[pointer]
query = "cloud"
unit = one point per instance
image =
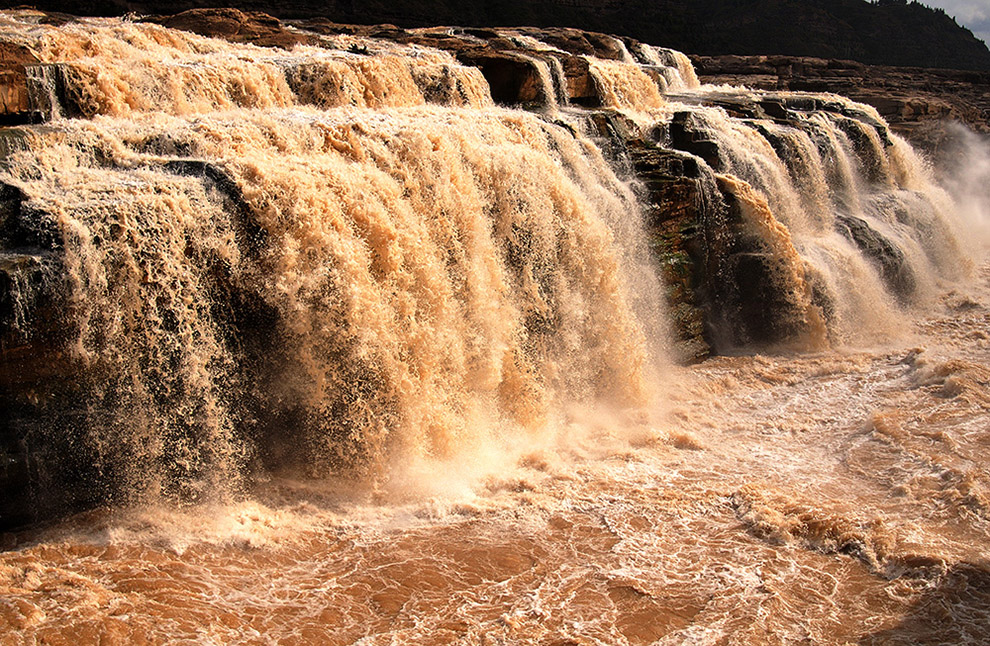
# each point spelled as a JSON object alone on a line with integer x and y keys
{"x": 972, "y": 14}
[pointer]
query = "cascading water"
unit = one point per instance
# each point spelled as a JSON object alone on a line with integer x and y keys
{"x": 179, "y": 73}
{"x": 623, "y": 85}
{"x": 553, "y": 80}
{"x": 349, "y": 354}
{"x": 271, "y": 282}
{"x": 676, "y": 71}
{"x": 866, "y": 219}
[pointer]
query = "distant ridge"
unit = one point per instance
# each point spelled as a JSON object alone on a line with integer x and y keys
{"x": 886, "y": 32}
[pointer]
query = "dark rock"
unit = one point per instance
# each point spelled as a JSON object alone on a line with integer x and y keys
{"x": 757, "y": 300}
{"x": 687, "y": 136}
{"x": 762, "y": 294}
{"x": 678, "y": 205}
{"x": 23, "y": 280}
{"x": 30, "y": 306}
{"x": 21, "y": 226}
{"x": 774, "y": 108}
{"x": 894, "y": 269}
{"x": 37, "y": 378}
{"x": 513, "y": 80}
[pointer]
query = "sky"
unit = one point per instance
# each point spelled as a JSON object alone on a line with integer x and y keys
{"x": 972, "y": 14}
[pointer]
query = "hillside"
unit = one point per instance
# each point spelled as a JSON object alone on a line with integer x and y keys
{"x": 890, "y": 32}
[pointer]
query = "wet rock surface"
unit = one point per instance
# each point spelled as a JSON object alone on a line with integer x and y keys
{"x": 15, "y": 102}
{"x": 37, "y": 379}
{"x": 912, "y": 100}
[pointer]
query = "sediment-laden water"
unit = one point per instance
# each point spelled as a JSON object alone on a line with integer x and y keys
{"x": 832, "y": 498}
{"x": 364, "y": 358}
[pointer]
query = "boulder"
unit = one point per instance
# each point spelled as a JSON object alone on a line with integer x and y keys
{"x": 894, "y": 269}
{"x": 687, "y": 136}
{"x": 15, "y": 101}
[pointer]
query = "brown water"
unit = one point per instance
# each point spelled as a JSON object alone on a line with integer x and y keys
{"x": 488, "y": 441}
{"x": 834, "y": 498}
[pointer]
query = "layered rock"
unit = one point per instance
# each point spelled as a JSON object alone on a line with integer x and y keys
{"x": 912, "y": 100}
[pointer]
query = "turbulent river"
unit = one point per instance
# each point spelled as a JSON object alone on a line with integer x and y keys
{"x": 456, "y": 416}
{"x": 835, "y": 498}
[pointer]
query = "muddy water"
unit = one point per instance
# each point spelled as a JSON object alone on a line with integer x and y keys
{"x": 834, "y": 498}
{"x": 524, "y": 487}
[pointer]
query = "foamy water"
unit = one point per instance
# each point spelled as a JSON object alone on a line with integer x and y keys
{"x": 831, "y": 498}
{"x": 451, "y": 416}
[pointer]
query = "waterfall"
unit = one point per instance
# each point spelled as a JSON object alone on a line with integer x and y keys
{"x": 858, "y": 204}
{"x": 343, "y": 258}
{"x": 623, "y": 85}
{"x": 181, "y": 73}
{"x": 675, "y": 67}
{"x": 317, "y": 344}
{"x": 551, "y": 71}
{"x": 324, "y": 272}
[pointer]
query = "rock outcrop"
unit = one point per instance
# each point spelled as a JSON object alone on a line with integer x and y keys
{"x": 236, "y": 26}
{"x": 15, "y": 101}
{"x": 912, "y": 100}
{"x": 37, "y": 381}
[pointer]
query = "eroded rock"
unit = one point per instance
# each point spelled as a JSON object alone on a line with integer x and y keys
{"x": 908, "y": 98}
